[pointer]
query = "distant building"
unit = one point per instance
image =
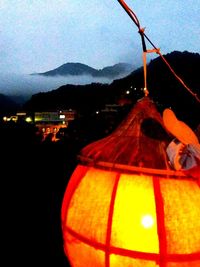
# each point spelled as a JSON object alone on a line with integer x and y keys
{"x": 47, "y": 122}
{"x": 109, "y": 108}
{"x": 50, "y": 122}
{"x": 19, "y": 116}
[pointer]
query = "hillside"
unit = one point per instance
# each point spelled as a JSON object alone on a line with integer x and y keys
{"x": 7, "y": 104}
{"x": 164, "y": 89}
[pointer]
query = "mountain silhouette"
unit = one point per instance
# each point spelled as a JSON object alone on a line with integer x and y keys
{"x": 76, "y": 69}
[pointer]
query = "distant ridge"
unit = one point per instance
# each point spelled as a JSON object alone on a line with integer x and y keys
{"x": 76, "y": 69}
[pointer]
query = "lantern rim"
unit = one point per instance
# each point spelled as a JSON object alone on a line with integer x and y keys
{"x": 161, "y": 173}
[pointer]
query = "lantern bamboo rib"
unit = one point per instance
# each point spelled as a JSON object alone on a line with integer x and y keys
{"x": 131, "y": 253}
{"x": 129, "y": 168}
{"x": 110, "y": 218}
{"x": 160, "y": 222}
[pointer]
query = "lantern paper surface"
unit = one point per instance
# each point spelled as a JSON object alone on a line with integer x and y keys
{"x": 133, "y": 211}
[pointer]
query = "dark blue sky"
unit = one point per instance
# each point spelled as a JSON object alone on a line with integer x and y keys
{"x": 39, "y": 35}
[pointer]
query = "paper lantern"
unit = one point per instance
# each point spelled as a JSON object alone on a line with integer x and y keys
{"x": 124, "y": 207}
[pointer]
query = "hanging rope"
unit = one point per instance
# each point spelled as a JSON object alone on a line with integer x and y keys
{"x": 155, "y": 50}
{"x": 178, "y": 78}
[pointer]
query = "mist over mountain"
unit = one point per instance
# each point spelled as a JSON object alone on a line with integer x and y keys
{"x": 163, "y": 86}
{"x": 76, "y": 69}
{"x": 20, "y": 87}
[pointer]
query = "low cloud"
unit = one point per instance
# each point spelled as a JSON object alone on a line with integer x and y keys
{"x": 27, "y": 85}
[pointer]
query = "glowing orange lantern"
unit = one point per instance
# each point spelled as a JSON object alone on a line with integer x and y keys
{"x": 124, "y": 207}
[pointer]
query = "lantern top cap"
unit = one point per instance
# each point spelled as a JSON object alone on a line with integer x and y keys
{"x": 140, "y": 140}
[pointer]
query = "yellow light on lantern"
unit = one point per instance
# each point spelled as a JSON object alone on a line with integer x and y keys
{"x": 147, "y": 221}
{"x": 116, "y": 213}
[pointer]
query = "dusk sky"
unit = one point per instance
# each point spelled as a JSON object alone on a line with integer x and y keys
{"x": 40, "y": 35}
